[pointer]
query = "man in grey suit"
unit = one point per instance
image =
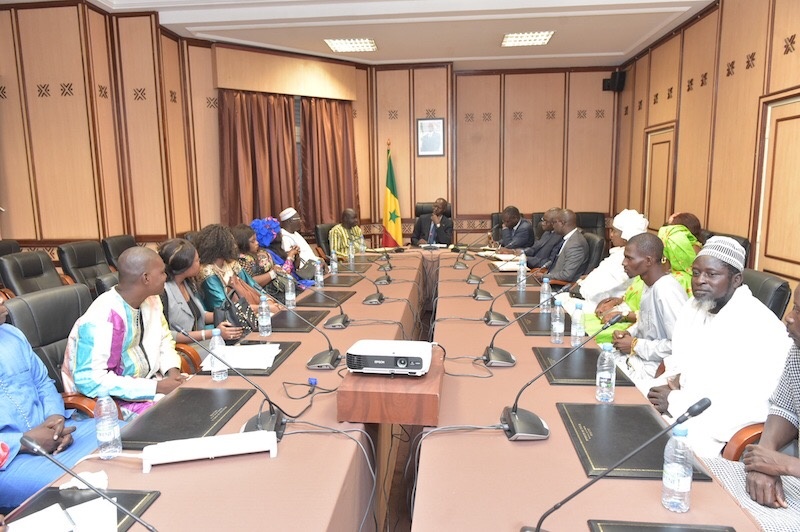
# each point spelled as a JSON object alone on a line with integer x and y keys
{"x": 574, "y": 254}
{"x": 517, "y": 232}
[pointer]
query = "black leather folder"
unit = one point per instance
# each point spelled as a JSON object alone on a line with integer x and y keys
{"x": 538, "y": 324}
{"x": 339, "y": 280}
{"x": 630, "y": 526}
{"x": 345, "y": 266}
{"x": 579, "y": 369}
{"x": 603, "y": 433}
{"x": 286, "y": 321}
{"x": 525, "y": 298}
{"x": 315, "y": 299}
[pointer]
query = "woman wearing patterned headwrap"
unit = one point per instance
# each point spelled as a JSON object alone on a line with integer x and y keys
{"x": 268, "y": 234}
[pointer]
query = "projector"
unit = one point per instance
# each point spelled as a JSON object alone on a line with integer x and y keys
{"x": 389, "y": 357}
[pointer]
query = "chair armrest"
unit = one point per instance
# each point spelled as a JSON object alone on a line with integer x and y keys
{"x": 66, "y": 279}
{"x": 190, "y": 360}
{"x": 661, "y": 369}
{"x": 744, "y": 436}
{"x": 6, "y": 294}
{"x": 321, "y": 253}
{"x": 79, "y": 402}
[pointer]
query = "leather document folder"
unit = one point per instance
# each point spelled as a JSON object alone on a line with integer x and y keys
{"x": 630, "y": 526}
{"x": 525, "y": 298}
{"x": 508, "y": 279}
{"x": 538, "y": 324}
{"x": 603, "y": 433}
{"x": 287, "y": 348}
{"x": 184, "y": 413}
{"x": 315, "y": 299}
{"x": 579, "y": 369}
{"x": 286, "y": 321}
{"x": 361, "y": 267}
{"x": 136, "y": 502}
{"x": 341, "y": 281}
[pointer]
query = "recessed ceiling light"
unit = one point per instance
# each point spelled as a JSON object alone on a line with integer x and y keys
{"x": 532, "y": 38}
{"x": 351, "y": 45}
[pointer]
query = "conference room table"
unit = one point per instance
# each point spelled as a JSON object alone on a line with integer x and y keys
{"x": 480, "y": 480}
{"x": 319, "y": 480}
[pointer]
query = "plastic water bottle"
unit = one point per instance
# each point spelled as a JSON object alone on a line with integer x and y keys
{"x": 522, "y": 273}
{"x": 264, "y": 318}
{"x": 334, "y": 263}
{"x": 606, "y": 375}
{"x": 362, "y": 245}
{"x": 319, "y": 275}
{"x": 677, "y": 478}
{"x": 557, "y": 324}
{"x": 544, "y": 296}
{"x": 289, "y": 294}
{"x": 351, "y": 252}
{"x": 106, "y": 424}
{"x": 219, "y": 371}
{"x": 578, "y": 327}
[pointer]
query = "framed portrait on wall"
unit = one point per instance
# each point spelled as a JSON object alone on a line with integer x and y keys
{"x": 430, "y": 137}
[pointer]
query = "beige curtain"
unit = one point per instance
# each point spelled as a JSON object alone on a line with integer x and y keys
{"x": 330, "y": 178}
{"x": 258, "y": 155}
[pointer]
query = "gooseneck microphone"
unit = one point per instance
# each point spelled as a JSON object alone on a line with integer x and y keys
{"x": 334, "y": 322}
{"x": 463, "y": 254}
{"x": 29, "y": 443}
{"x": 497, "y": 319}
{"x": 520, "y": 424}
{"x": 277, "y": 419}
{"x": 372, "y": 299}
{"x": 496, "y": 356}
{"x": 693, "y": 411}
{"x": 324, "y": 359}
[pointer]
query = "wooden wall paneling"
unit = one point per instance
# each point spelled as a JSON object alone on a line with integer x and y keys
{"x": 478, "y": 125}
{"x": 172, "y": 90}
{"x": 622, "y": 183}
{"x": 16, "y": 192}
{"x": 431, "y": 87}
{"x": 660, "y": 176}
{"x": 394, "y": 123}
{"x": 742, "y": 62}
{"x": 203, "y": 103}
{"x": 137, "y": 64}
{"x": 533, "y": 141}
{"x": 361, "y": 123}
{"x": 51, "y": 52}
{"x": 784, "y": 71}
{"x": 590, "y": 142}
{"x": 102, "y": 90}
{"x": 698, "y": 81}
{"x": 640, "y": 107}
{"x": 665, "y": 67}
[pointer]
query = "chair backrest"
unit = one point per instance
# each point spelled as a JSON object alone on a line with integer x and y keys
{"x": 84, "y": 262}
{"x": 106, "y": 282}
{"x": 191, "y": 235}
{"x": 592, "y": 222}
{"x": 770, "y": 289}
{"x": 497, "y": 225}
{"x": 745, "y": 242}
{"x": 427, "y": 208}
{"x": 46, "y": 318}
{"x": 597, "y": 250}
{"x": 536, "y": 220}
{"x": 28, "y": 271}
{"x": 9, "y": 246}
{"x": 321, "y": 235}
{"x": 113, "y": 246}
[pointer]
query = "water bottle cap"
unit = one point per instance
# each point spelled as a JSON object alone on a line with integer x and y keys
{"x": 216, "y": 332}
{"x": 680, "y": 430}
{"x": 578, "y": 306}
{"x": 263, "y": 298}
{"x": 558, "y": 303}
{"x": 545, "y": 279}
{"x": 607, "y": 347}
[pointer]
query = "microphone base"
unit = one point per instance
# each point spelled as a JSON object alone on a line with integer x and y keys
{"x": 467, "y": 256}
{"x": 337, "y": 322}
{"x": 473, "y": 279}
{"x": 374, "y": 299}
{"x": 495, "y": 319}
{"x": 481, "y": 295}
{"x": 523, "y": 425}
{"x": 459, "y": 265}
{"x": 385, "y": 267}
{"x": 383, "y": 279}
{"x": 270, "y": 422}
{"x": 324, "y": 360}
{"x": 497, "y": 357}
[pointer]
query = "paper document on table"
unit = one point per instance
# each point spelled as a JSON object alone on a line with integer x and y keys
{"x": 511, "y": 266}
{"x": 52, "y": 518}
{"x": 247, "y": 356}
{"x": 97, "y": 515}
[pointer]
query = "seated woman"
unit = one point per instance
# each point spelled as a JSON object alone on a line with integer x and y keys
{"x": 183, "y": 307}
{"x": 268, "y": 234}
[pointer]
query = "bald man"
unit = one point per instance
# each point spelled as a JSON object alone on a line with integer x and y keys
{"x": 123, "y": 344}
{"x": 342, "y": 234}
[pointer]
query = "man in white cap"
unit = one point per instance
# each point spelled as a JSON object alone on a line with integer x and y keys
{"x": 727, "y": 346}
{"x": 290, "y": 229}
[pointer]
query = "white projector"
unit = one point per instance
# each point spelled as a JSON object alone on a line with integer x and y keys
{"x": 389, "y": 357}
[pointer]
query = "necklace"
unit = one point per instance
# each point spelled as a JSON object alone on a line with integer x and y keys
{"x": 17, "y": 406}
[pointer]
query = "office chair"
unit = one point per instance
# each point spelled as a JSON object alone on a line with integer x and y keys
{"x": 113, "y": 246}
{"x": 29, "y": 271}
{"x": 84, "y": 261}
{"x": 770, "y": 289}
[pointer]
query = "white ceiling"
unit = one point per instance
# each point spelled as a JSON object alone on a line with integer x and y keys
{"x": 465, "y": 32}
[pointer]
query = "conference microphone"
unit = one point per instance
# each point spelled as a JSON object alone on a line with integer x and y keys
{"x": 334, "y": 322}
{"x": 497, "y": 319}
{"x": 474, "y": 279}
{"x": 520, "y": 424}
{"x": 463, "y": 254}
{"x": 324, "y": 359}
{"x": 372, "y": 299}
{"x": 693, "y": 411}
{"x": 495, "y": 356}
{"x": 276, "y": 422}
{"x": 29, "y": 443}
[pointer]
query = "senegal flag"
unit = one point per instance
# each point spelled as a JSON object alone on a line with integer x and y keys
{"x": 392, "y": 226}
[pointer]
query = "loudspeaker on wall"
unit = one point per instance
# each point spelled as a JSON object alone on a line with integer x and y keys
{"x": 615, "y": 83}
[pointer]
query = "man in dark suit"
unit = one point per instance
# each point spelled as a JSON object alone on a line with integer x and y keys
{"x": 574, "y": 255}
{"x": 539, "y": 254}
{"x": 435, "y": 228}
{"x": 517, "y": 232}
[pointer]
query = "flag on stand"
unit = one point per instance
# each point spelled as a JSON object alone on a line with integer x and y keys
{"x": 392, "y": 225}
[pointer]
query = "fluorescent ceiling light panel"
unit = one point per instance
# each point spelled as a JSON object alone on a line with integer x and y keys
{"x": 533, "y": 38}
{"x": 351, "y": 45}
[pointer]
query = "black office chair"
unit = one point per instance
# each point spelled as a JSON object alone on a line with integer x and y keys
{"x": 9, "y": 246}
{"x": 770, "y": 289}
{"x": 46, "y": 318}
{"x": 321, "y": 235}
{"x": 84, "y": 261}
{"x": 597, "y": 251}
{"x": 497, "y": 225}
{"x": 536, "y": 220}
{"x": 106, "y": 282}
{"x": 427, "y": 208}
{"x": 29, "y": 271}
{"x": 745, "y": 242}
{"x": 113, "y": 246}
{"x": 592, "y": 222}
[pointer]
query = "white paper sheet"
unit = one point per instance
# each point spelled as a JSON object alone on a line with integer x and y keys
{"x": 247, "y": 356}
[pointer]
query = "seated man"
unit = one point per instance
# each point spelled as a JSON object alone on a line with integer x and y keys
{"x": 539, "y": 253}
{"x": 573, "y": 256}
{"x": 342, "y": 234}
{"x": 517, "y": 232}
{"x": 649, "y": 341}
{"x": 290, "y": 229}
{"x": 122, "y": 343}
{"x": 727, "y": 346}
{"x": 435, "y": 228}
{"x": 764, "y": 462}
{"x": 32, "y": 407}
